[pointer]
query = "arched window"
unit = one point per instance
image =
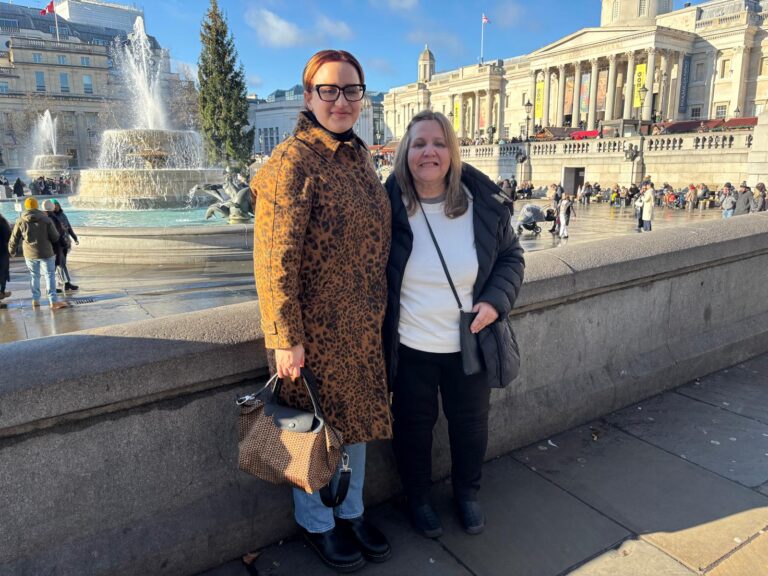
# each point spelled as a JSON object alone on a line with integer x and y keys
{"x": 643, "y": 9}
{"x": 616, "y": 7}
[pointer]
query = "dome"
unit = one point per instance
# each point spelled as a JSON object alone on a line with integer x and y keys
{"x": 426, "y": 55}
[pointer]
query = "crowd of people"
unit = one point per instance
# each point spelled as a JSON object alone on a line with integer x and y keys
{"x": 44, "y": 238}
{"x": 40, "y": 186}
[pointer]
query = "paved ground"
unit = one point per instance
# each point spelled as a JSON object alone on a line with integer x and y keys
{"x": 673, "y": 486}
{"x": 111, "y": 294}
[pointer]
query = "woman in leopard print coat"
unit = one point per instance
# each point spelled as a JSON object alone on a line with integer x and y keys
{"x": 322, "y": 238}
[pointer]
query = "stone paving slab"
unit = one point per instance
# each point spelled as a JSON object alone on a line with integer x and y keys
{"x": 687, "y": 512}
{"x": 725, "y": 443}
{"x": 750, "y": 560}
{"x": 633, "y": 558}
{"x": 411, "y": 554}
{"x": 740, "y": 390}
{"x": 533, "y": 528}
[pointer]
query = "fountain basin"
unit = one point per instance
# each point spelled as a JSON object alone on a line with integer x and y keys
{"x": 189, "y": 245}
{"x": 141, "y": 189}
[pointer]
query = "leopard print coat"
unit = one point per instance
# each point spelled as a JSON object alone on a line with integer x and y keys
{"x": 322, "y": 236}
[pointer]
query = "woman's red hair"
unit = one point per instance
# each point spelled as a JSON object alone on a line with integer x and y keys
{"x": 325, "y": 56}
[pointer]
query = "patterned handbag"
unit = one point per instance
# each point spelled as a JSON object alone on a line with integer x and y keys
{"x": 285, "y": 445}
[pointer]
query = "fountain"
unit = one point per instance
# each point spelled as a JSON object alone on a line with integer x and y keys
{"x": 146, "y": 166}
{"x": 47, "y": 163}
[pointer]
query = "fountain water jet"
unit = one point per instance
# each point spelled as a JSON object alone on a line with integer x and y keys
{"x": 146, "y": 166}
{"x": 47, "y": 162}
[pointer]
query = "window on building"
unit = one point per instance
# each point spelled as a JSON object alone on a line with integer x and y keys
{"x": 87, "y": 84}
{"x": 8, "y": 23}
{"x": 37, "y": 58}
{"x": 85, "y": 60}
{"x": 4, "y": 88}
{"x": 61, "y": 59}
{"x": 40, "y": 81}
{"x": 725, "y": 68}
{"x": 63, "y": 31}
{"x": 642, "y": 9}
{"x": 695, "y": 112}
{"x": 64, "y": 81}
{"x": 758, "y": 109}
{"x": 698, "y": 75}
{"x": 616, "y": 10}
{"x": 720, "y": 111}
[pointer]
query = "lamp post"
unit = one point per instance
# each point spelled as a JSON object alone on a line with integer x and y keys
{"x": 643, "y": 95}
{"x": 528, "y": 109}
{"x": 737, "y": 112}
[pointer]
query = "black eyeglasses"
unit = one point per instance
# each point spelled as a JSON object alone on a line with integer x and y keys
{"x": 331, "y": 92}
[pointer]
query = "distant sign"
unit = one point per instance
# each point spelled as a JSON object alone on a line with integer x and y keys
{"x": 685, "y": 77}
{"x": 640, "y": 79}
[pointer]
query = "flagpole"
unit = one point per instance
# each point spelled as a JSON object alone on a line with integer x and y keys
{"x": 482, "y": 37}
{"x": 56, "y": 19}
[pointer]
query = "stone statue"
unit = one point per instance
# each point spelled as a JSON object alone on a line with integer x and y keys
{"x": 232, "y": 202}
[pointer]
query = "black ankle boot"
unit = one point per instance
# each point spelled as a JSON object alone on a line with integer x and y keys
{"x": 424, "y": 519}
{"x": 337, "y": 549}
{"x": 371, "y": 542}
{"x": 471, "y": 516}
{"x": 70, "y": 287}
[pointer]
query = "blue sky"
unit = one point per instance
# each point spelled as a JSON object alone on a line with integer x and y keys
{"x": 274, "y": 38}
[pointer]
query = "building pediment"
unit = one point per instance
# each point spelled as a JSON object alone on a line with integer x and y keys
{"x": 588, "y": 39}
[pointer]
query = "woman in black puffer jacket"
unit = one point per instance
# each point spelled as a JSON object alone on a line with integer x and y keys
{"x": 421, "y": 336}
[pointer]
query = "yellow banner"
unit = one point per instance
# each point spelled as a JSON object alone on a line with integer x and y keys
{"x": 456, "y": 115}
{"x": 640, "y": 78}
{"x": 538, "y": 111}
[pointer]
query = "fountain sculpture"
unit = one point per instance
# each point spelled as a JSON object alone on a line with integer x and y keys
{"x": 148, "y": 165}
{"x": 47, "y": 162}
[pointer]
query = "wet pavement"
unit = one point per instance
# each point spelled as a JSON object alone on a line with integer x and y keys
{"x": 676, "y": 485}
{"x": 114, "y": 294}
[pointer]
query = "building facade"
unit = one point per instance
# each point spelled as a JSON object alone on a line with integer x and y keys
{"x": 645, "y": 61}
{"x": 275, "y": 118}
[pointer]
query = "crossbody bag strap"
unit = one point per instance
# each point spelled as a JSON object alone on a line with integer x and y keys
{"x": 440, "y": 254}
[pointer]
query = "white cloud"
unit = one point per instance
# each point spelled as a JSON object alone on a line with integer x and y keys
{"x": 254, "y": 80}
{"x": 402, "y": 4}
{"x": 508, "y": 15}
{"x": 381, "y": 65}
{"x": 437, "y": 41}
{"x": 334, "y": 28}
{"x": 273, "y": 30}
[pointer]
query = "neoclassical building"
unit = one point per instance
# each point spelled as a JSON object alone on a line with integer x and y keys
{"x": 645, "y": 61}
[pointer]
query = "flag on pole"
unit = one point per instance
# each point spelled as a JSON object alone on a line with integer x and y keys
{"x": 48, "y": 9}
{"x": 485, "y": 19}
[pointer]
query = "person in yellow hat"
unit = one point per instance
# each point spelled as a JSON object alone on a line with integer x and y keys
{"x": 37, "y": 235}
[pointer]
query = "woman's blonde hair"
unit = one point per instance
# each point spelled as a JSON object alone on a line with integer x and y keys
{"x": 456, "y": 202}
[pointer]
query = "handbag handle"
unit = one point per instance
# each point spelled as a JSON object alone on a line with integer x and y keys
{"x": 440, "y": 255}
{"x": 310, "y": 383}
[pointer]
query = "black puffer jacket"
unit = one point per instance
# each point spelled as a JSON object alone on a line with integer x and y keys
{"x": 499, "y": 275}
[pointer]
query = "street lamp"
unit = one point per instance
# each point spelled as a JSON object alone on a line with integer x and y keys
{"x": 643, "y": 95}
{"x": 528, "y": 109}
{"x": 737, "y": 112}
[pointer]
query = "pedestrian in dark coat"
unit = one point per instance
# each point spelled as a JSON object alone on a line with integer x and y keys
{"x": 18, "y": 188}
{"x": 421, "y": 325}
{"x": 5, "y": 257}
{"x": 743, "y": 200}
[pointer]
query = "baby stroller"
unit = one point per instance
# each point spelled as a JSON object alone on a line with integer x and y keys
{"x": 529, "y": 217}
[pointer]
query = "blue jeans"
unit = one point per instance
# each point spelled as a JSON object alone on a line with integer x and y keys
{"x": 48, "y": 266}
{"x": 728, "y": 213}
{"x": 314, "y": 516}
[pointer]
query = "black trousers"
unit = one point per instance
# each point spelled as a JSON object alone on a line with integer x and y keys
{"x": 415, "y": 408}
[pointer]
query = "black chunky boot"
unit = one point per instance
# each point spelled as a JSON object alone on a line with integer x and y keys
{"x": 337, "y": 549}
{"x": 371, "y": 542}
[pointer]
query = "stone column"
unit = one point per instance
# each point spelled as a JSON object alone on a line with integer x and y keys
{"x": 545, "y": 108}
{"x": 532, "y": 92}
{"x": 575, "y": 117}
{"x": 592, "y": 116}
{"x": 610, "y": 100}
{"x": 560, "y": 95}
{"x": 712, "y": 56}
{"x": 649, "y": 81}
{"x": 665, "y": 80}
{"x": 674, "y": 112}
{"x": 629, "y": 86}
{"x": 740, "y": 67}
{"x": 462, "y": 113}
{"x": 476, "y": 115}
{"x": 489, "y": 110}
{"x": 502, "y": 105}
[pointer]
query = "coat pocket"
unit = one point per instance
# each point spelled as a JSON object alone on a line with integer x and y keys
{"x": 507, "y": 351}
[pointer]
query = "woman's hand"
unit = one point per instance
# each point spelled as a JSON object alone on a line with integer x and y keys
{"x": 486, "y": 314}
{"x": 289, "y": 361}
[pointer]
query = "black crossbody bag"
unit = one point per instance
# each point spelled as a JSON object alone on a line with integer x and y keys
{"x": 471, "y": 356}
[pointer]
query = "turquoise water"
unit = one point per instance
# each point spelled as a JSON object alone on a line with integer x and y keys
{"x": 124, "y": 218}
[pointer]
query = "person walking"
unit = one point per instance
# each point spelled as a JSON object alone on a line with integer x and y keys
{"x": 322, "y": 238}
{"x": 565, "y": 209}
{"x": 37, "y": 235}
{"x": 728, "y": 201}
{"x": 5, "y": 257}
{"x": 758, "y": 198}
{"x": 18, "y": 188}
{"x": 441, "y": 206}
{"x": 556, "y": 198}
{"x": 58, "y": 212}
